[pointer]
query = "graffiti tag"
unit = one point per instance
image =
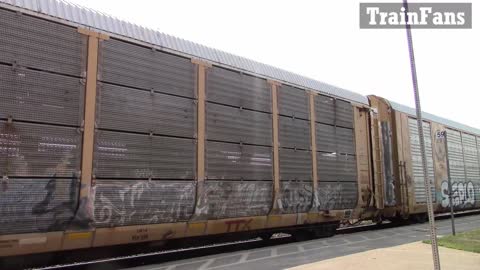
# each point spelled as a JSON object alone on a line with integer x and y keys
{"x": 463, "y": 194}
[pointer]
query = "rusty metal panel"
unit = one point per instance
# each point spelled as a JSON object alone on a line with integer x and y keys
{"x": 325, "y": 109}
{"x": 31, "y": 95}
{"x": 470, "y": 156}
{"x": 33, "y": 42}
{"x": 237, "y": 89}
{"x": 343, "y": 113}
{"x": 37, "y": 205}
{"x": 295, "y": 164}
{"x": 296, "y": 196}
{"x": 417, "y": 167}
{"x": 135, "y": 66}
{"x": 34, "y": 150}
{"x": 345, "y": 140}
{"x": 128, "y": 109}
{"x": 134, "y": 202}
{"x": 337, "y": 195}
{"x": 293, "y": 102}
{"x": 225, "y": 199}
{"x": 229, "y": 124}
{"x": 124, "y": 155}
{"x": 333, "y": 167}
{"x": 294, "y": 133}
{"x": 226, "y": 161}
{"x": 325, "y": 140}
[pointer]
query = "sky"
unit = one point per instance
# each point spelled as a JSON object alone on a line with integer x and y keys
{"x": 322, "y": 40}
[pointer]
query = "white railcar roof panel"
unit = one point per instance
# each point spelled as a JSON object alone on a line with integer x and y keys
{"x": 87, "y": 17}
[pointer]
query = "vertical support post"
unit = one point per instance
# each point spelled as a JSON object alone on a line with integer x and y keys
{"x": 89, "y": 112}
{"x": 202, "y": 67}
{"x": 428, "y": 191}
{"x": 313, "y": 144}
{"x": 449, "y": 179}
{"x": 276, "y": 162}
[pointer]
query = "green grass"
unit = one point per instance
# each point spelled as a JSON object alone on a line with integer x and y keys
{"x": 467, "y": 241}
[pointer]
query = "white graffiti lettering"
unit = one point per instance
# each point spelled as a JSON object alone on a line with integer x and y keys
{"x": 463, "y": 194}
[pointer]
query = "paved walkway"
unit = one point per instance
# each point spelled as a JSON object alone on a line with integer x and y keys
{"x": 303, "y": 253}
{"x": 416, "y": 256}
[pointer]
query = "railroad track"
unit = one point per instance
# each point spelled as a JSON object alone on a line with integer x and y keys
{"x": 167, "y": 255}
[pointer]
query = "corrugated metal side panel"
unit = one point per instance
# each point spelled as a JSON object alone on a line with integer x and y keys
{"x": 455, "y": 156}
{"x": 345, "y": 141}
{"x": 417, "y": 168}
{"x": 470, "y": 156}
{"x": 324, "y": 109}
{"x": 333, "y": 167}
{"x": 91, "y": 18}
{"x": 239, "y": 90}
{"x": 134, "y": 202}
{"x": 34, "y": 150}
{"x": 127, "y": 109}
{"x": 293, "y": 133}
{"x": 327, "y": 167}
{"x": 36, "y": 43}
{"x": 229, "y": 124}
{"x": 227, "y": 199}
{"x": 37, "y": 205}
{"x": 346, "y": 168}
{"x": 123, "y": 155}
{"x": 344, "y": 114}
{"x": 39, "y": 96}
{"x": 293, "y": 102}
{"x": 226, "y": 161}
{"x": 326, "y": 140}
{"x": 135, "y": 66}
{"x": 295, "y": 164}
{"x": 337, "y": 195}
{"x": 296, "y": 197}
{"x": 331, "y": 139}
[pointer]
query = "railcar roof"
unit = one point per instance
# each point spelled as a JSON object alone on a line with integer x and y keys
{"x": 435, "y": 118}
{"x": 60, "y": 9}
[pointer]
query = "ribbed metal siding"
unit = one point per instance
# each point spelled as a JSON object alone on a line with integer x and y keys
{"x": 238, "y": 199}
{"x": 417, "y": 168}
{"x": 331, "y": 139}
{"x": 133, "y": 202}
{"x": 239, "y": 90}
{"x": 33, "y": 150}
{"x": 39, "y": 96}
{"x": 324, "y": 109}
{"x": 293, "y": 102}
{"x": 295, "y": 164}
{"x": 37, "y": 205}
{"x": 337, "y": 196}
{"x": 470, "y": 156}
{"x": 127, "y": 109}
{"x": 455, "y": 156}
{"x": 227, "y": 161}
{"x": 123, "y": 155}
{"x": 296, "y": 197}
{"x": 37, "y": 43}
{"x": 336, "y": 167}
{"x": 344, "y": 114}
{"x": 293, "y": 133}
{"x": 236, "y": 125}
{"x": 135, "y": 66}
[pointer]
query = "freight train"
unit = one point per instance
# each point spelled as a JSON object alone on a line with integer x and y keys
{"x": 115, "y": 134}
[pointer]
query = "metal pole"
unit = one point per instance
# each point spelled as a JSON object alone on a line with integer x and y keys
{"x": 431, "y": 218}
{"x": 450, "y": 193}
